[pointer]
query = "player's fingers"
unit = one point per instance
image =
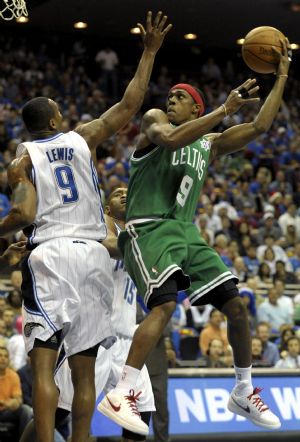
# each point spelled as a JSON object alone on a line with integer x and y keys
{"x": 162, "y": 22}
{"x": 149, "y": 20}
{"x": 141, "y": 28}
{"x": 247, "y": 83}
{"x": 274, "y": 49}
{"x": 168, "y": 28}
{"x": 252, "y": 100}
{"x": 253, "y": 90}
{"x": 157, "y": 19}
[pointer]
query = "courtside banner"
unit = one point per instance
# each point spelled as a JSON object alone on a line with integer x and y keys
{"x": 199, "y": 405}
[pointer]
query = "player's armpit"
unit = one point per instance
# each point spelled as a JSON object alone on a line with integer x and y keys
{"x": 111, "y": 243}
{"x": 23, "y": 210}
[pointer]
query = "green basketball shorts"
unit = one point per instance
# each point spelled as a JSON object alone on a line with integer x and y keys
{"x": 155, "y": 250}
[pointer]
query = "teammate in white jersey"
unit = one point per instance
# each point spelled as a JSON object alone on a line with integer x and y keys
{"x": 67, "y": 281}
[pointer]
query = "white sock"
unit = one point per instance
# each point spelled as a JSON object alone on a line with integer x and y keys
{"x": 128, "y": 378}
{"x": 243, "y": 379}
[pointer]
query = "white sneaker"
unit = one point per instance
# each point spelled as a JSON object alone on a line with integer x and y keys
{"x": 122, "y": 409}
{"x": 253, "y": 408}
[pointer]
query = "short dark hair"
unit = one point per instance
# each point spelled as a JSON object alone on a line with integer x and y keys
{"x": 37, "y": 113}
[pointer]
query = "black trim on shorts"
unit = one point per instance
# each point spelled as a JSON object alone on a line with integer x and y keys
{"x": 126, "y": 434}
{"x": 165, "y": 293}
{"x": 90, "y": 352}
{"x": 27, "y": 287}
{"x": 53, "y": 343}
{"x": 220, "y": 295}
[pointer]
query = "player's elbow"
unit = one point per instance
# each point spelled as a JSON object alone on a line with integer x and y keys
{"x": 261, "y": 127}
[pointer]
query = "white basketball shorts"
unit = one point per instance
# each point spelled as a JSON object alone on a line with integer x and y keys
{"x": 68, "y": 286}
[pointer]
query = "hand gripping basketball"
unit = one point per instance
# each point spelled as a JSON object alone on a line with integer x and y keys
{"x": 241, "y": 95}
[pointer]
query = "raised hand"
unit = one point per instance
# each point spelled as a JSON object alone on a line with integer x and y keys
{"x": 241, "y": 95}
{"x": 155, "y": 33}
{"x": 283, "y": 57}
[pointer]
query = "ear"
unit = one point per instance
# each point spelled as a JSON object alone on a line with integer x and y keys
{"x": 52, "y": 124}
{"x": 107, "y": 210}
{"x": 196, "y": 109}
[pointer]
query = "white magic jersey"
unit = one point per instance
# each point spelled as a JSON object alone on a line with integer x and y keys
{"x": 68, "y": 197}
{"x": 124, "y": 301}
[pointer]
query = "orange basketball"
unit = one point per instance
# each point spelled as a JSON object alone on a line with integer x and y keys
{"x": 257, "y": 49}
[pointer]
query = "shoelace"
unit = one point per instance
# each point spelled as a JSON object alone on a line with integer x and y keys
{"x": 257, "y": 401}
{"x": 131, "y": 399}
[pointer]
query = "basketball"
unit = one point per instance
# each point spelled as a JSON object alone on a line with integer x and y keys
{"x": 257, "y": 49}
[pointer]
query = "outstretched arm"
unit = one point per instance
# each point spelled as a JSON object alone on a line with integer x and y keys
{"x": 23, "y": 210}
{"x": 156, "y": 127}
{"x": 117, "y": 116}
{"x": 237, "y": 137}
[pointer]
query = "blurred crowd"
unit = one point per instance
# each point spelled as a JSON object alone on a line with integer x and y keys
{"x": 249, "y": 210}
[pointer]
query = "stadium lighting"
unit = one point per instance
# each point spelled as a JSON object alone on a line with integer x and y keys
{"x": 190, "y": 36}
{"x": 22, "y": 19}
{"x": 135, "y": 30}
{"x": 240, "y": 41}
{"x": 80, "y": 25}
{"x": 294, "y": 46}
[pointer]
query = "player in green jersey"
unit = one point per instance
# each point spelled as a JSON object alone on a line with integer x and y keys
{"x": 162, "y": 250}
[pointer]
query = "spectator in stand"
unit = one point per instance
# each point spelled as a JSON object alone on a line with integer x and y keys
{"x": 3, "y": 338}
{"x": 239, "y": 269}
{"x": 270, "y": 259}
{"x": 268, "y": 228}
{"x": 276, "y": 200}
{"x": 108, "y": 61}
{"x": 285, "y": 301}
{"x": 285, "y": 334}
{"x": 214, "y": 221}
{"x": 4, "y": 205}
{"x": 248, "y": 215}
{"x": 3, "y": 305}
{"x": 213, "y": 330}
{"x": 202, "y": 225}
{"x": 14, "y": 300}
{"x": 251, "y": 262}
{"x": 280, "y": 184}
{"x": 9, "y": 319}
{"x": 270, "y": 350}
{"x": 16, "y": 279}
{"x": 217, "y": 355}
{"x": 249, "y": 299}
{"x": 278, "y": 251}
{"x": 12, "y": 408}
{"x": 292, "y": 360}
{"x": 295, "y": 258}
{"x": 261, "y": 182}
{"x": 273, "y": 312}
{"x": 264, "y": 275}
{"x": 283, "y": 275}
{"x": 257, "y": 353}
{"x": 290, "y": 218}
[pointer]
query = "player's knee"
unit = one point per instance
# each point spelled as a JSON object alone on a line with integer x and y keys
{"x": 236, "y": 312}
{"x": 166, "y": 309}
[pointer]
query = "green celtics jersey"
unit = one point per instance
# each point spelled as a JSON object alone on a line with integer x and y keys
{"x": 166, "y": 184}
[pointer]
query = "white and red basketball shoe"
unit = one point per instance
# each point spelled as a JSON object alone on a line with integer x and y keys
{"x": 122, "y": 409}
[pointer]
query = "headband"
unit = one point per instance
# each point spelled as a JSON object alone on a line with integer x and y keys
{"x": 193, "y": 93}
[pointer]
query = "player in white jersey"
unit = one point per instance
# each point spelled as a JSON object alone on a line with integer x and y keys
{"x": 109, "y": 362}
{"x": 67, "y": 281}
